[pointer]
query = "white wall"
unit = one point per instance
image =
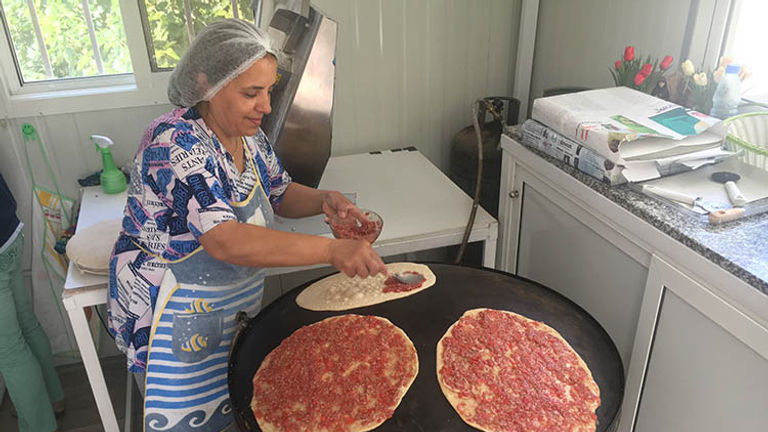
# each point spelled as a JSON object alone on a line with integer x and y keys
{"x": 407, "y": 71}
{"x": 578, "y": 41}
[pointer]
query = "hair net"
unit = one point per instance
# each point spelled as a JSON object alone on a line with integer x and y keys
{"x": 219, "y": 53}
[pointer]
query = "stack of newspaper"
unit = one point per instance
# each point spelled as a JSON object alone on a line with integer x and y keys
{"x": 619, "y": 134}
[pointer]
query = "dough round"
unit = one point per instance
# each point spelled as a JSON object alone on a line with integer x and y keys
{"x": 89, "y": 249}
{"x": 503, "y": 372}
{"x": 345, "y": 373}
{"x": 339, "y": 292}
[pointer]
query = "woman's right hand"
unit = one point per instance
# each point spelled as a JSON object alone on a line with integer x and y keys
{"x": 355, "y": 258}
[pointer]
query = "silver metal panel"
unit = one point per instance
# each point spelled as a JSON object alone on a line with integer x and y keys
{"x": 299, "y": 126}
{"x": 304, "y": 143}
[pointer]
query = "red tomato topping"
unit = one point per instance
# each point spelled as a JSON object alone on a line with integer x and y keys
{"x": 522, "y": 377}
{"x": 351, "y": 228}
{"x": 392, "y": 284}
{"x": 333, "y": 374}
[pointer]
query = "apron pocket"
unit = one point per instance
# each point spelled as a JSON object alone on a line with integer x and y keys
{"x": 196, "y": 335}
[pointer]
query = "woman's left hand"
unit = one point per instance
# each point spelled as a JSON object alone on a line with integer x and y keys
{"x": 336, "y": 203}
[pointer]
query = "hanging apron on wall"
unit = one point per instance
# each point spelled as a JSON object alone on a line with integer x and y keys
{"x": 193, "y": 326}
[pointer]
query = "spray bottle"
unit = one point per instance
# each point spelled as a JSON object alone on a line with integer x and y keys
{"x": 112, "y": 179}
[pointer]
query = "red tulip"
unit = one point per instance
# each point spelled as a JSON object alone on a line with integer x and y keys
{"x": 617, "y": 65}
{"x": 647, "y": 69}
{"x": 629, "y": 53}
{"x": 639, "y": 78}
{"x": 666, "y": 62}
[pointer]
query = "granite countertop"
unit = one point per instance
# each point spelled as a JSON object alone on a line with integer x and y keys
{"x": 740, "y": 247}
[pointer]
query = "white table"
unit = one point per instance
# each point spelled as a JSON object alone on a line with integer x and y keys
{"x": 421, "y": 208}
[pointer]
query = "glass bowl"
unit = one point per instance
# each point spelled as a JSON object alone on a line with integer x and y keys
{"x": 350, "y": 228}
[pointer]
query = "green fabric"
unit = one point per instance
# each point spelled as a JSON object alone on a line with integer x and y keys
{"x": 25, "y": 352}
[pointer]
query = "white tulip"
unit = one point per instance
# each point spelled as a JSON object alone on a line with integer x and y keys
{"x": 700, "y": 79}
{"x": 688, "y": 68}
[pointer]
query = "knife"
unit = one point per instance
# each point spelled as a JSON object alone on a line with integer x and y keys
{"x": 718, "y": 211}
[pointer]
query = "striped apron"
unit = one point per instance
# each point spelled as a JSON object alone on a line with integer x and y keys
{"x": 193, "y": 327}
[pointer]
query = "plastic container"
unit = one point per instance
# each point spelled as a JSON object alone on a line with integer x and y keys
{"x": 725, "y": 101}
{"x": 748, "y": 134}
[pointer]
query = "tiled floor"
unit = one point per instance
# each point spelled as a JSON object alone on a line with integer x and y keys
{"x": 81, "y": 414}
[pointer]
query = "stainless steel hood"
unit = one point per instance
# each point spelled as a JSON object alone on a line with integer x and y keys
{"x": 299, "y": 126}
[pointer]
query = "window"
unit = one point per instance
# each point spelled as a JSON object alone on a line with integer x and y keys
{"x": 170, "y": 25}
{"x": 65, "y": 56}
{"x": 745, "y": 42}
{"x": 65, "y": 39}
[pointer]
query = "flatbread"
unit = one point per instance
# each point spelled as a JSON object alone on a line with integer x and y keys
{"x": 503, "y": 372}
{"x": 339, "y": 292}
{"x": 89, "y": 249}
{"x": 345, "y": 373}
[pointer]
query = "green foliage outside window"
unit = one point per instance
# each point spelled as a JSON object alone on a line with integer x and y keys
{"x": 23, "y": 35}
{"x": 168, "y": 27}
{"x": 65, "y": 32}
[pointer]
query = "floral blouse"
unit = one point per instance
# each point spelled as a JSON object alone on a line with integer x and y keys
{"x": 181, "y": 185}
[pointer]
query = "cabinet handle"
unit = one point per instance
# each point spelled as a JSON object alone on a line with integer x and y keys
{"x": 514, "y": 194}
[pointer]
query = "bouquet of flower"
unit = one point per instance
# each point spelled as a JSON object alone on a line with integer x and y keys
{"x": 644, "y": 74}
{"x": 698, "y": 88}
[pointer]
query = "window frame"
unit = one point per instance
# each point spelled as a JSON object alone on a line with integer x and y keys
{"x": 758, "y": 97}
{"x": 149, "y": 43}
{"x": 141, "y": 88}
{"x": 706, "y": 32}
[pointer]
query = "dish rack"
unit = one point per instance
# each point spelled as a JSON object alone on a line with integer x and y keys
{"x": 748, "y": 134}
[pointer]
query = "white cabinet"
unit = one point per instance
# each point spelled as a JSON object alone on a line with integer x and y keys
{"x": 693, "y": 337}
{"x": 700, "y": 364}
{"x": 569, "y": 250}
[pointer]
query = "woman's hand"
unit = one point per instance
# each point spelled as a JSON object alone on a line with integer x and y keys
{"x": 301, "y": 201}
{"x": 355, "y": 257}
{"x": 254, "y": 246}
{"x": 336, "y": 203}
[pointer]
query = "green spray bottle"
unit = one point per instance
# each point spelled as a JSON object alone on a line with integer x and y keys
{"x": 112, "y": 179}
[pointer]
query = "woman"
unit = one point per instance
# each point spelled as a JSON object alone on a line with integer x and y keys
{"x": 26, "y": 363}
{"x": 196, "y": 230}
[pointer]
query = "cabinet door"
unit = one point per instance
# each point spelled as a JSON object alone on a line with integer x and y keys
{"x": 706, "y": 366}
{"x": 509, "y": 213}
{"x": 576, "y": 254}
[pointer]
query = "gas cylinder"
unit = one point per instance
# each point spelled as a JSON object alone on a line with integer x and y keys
{"x": 463, "y": 157}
